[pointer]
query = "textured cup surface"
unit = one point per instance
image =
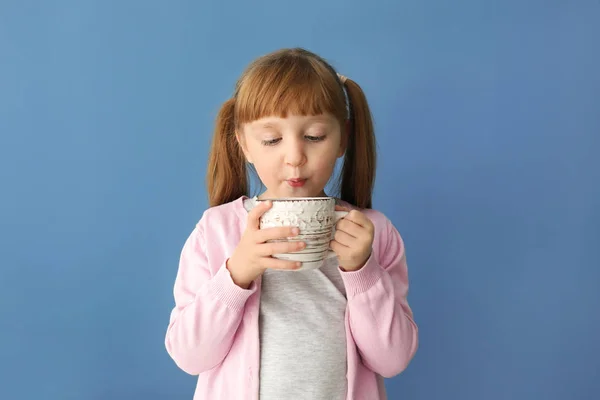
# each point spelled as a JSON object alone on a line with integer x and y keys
{"x": 316, "y": 213}
{"x": 315, "y": 217}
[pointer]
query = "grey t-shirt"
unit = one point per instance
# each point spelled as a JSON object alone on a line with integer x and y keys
{"x": 302, "y": 333}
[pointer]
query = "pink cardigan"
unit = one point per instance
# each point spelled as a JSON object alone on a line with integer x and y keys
{"x": 213, "y": 328}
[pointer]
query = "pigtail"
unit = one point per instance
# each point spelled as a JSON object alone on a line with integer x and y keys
{"x": 226, "y": 178}
{"x": 358, "y": 171}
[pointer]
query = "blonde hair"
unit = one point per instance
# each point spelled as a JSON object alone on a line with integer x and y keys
{"x": 292, "y": 81}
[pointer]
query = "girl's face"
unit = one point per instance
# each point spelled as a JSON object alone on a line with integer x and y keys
{"x": 293, "y": 156}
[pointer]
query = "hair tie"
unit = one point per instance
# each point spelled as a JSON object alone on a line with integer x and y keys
{"x": 342, "y": 78}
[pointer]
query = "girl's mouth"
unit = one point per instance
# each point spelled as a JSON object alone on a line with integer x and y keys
{"x": 296, "y": 182}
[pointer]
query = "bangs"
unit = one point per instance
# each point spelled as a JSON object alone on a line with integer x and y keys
{"x": 288, "y": 86}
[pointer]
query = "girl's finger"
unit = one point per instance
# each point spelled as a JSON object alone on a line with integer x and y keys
{"x": 337, "y": 247}
{"x": 268, "y": 249}
{"x": 274, "y": 263}
{"x": 257, "y": 212}
{"x": 280, "y": 232}
{"x": 359, "y": 218}
{"x": 344, "y": 239}
{"x": 350, "y": 227}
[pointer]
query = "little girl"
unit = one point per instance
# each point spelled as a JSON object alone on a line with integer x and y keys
{"x": 253, "y": 327}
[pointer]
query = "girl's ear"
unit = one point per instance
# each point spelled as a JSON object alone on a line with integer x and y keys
{"x": 243, "y": 145}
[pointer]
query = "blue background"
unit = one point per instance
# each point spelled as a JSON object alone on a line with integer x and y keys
{"x": 488, "y": 124}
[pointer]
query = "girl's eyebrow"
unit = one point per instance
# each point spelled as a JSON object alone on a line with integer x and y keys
{"x": 268, "y": 125}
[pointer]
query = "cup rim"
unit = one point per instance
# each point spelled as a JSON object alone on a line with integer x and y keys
{"x": 297, "y": 198}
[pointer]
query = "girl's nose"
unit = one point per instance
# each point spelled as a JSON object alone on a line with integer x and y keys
{"x": 294, "y": 155}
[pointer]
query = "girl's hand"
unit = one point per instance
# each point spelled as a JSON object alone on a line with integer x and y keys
{"x": 353, "y": 239}
{"x": 252, "y": 255}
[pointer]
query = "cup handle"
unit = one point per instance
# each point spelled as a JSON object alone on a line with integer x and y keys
{"x": 338, "y": 215}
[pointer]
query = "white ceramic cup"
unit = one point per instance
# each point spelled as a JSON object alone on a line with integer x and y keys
{"x": 316, "y": 218}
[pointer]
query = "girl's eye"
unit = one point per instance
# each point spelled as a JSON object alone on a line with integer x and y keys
{"x": 273, "y": 142}
{"x": 315, "y": 138}
{"x": 270, "y": 142}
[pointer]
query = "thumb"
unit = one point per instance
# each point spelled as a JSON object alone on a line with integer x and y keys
{"x": 257, "y": 212}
